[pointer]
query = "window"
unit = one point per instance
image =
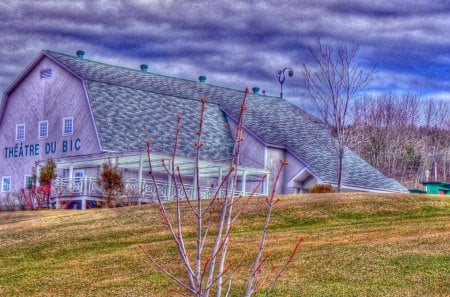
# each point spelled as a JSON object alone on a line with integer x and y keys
{"x": 28, "y": 182}
{"x": 68, "y": 126}
{"x": 46, "y": 73}
{"x": 20, "y": 132}
{"x": 6, "y": 184}
{"x": 43, "y": 129}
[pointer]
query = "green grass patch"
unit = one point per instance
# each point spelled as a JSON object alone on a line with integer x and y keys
{"x": 355, "y": 245}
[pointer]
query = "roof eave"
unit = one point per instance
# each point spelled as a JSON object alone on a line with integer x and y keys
{"x": 91, "y": 112}
{"x": 369, "y": 189}
{"x": 83, "y": 82}
{"x": 228, "y": 114}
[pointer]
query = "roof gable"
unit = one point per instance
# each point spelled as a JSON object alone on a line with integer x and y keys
{"x": 17, "y": 81}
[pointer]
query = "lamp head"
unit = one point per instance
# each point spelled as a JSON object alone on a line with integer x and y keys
{"x": 291, "y": 73}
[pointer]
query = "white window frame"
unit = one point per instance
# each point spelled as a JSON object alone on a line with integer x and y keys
{"x": 25, "y": 181}
{"x": 39, "y": 129}
{"x": 64, "y": 126}
{"x": 17, "y": 132}
{"x": 3, "y": 184}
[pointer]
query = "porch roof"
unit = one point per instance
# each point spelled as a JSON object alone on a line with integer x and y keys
{"x": 139, "y": 160}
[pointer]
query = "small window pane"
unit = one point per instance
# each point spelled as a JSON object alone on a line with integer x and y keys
{"x": 67, "y": 126}
{"x": 43, "y": 129}
{"x": 28, "y": 182}
{"x": 6, "y": 184}
{"x": 20, "y": 132}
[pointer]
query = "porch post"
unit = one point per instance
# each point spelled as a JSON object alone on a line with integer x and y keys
{"x": 140, "y": 174}
{"x": 83, "y": 203}
{"x": 194, "y": 187}
{"x": 243, "y": 182}
{"x": 219, "y": 181}
{"x": 70, "y": 177}
{"x": 37, "y": 174}
{"x": 220, "y": 176}
{"x": 71, "y": 170}
{"x": 85, "y": 186}
{"x": 267, "y": 184}
{"x": 169, "y": 183}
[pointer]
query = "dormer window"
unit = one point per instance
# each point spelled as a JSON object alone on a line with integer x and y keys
{"x": 43, "y": 129}
{"x": 67, "y": 126}
{"x": 20, "y": 132}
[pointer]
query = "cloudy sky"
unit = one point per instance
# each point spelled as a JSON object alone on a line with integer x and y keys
{"x": 237, "y": 43}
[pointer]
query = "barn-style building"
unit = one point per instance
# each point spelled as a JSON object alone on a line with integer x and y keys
{"x": 81, "y": 112}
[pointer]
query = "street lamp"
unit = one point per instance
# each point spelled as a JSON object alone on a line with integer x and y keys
{"x": 281, "y": 77}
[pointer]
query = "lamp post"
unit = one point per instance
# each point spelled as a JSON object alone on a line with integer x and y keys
{"x": 281, "y": 77}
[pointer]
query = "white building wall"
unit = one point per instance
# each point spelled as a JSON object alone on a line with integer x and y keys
{"x": 36, "y": 99}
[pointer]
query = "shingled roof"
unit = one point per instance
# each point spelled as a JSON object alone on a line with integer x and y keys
{"x": 131, "y": 105}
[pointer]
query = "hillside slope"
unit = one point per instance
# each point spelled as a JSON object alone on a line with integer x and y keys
{"x": 355, "y": 245}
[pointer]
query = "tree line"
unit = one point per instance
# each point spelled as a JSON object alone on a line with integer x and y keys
{"x": 404, "y": 136}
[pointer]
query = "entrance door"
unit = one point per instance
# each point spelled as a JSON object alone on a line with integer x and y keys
{"x": 78, "y": 174}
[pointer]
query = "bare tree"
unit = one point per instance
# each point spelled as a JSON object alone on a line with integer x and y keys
{"x": 335, "y": 81}
{"x": 205, "y": 265}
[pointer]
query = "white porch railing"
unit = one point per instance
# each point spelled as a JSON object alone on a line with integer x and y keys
{"x": 146, "y": 189}
{"x": 76, "y": 186}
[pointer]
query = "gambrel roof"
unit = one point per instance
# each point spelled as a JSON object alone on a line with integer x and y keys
{"x": 130, "y": 106}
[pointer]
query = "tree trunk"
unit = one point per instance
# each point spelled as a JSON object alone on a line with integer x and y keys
{"x": 340, "y": 170}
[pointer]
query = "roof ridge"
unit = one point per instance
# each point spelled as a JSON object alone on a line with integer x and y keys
{"x": 155, "y": 74}
{"x": 148, "y": 91}
{"x": 115, "y": 66}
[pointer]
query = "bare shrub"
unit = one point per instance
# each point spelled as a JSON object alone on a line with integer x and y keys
{"x": 130, "y": 196}
{"x": 321, "y": 189}
{"x": 206, "y": 269}
{"x": 110, "y": 181}
{"x": 34, "y": 198}
{"x": 47, "y": 173}
{"x": 9, "y": 202}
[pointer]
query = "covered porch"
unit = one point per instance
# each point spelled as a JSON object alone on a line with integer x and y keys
{"x": 77, "y": 179}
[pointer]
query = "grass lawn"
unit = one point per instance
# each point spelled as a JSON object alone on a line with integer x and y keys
{"x": 355, "y": 245}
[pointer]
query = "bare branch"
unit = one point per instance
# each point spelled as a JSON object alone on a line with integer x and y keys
{"x": 181, "y": 283}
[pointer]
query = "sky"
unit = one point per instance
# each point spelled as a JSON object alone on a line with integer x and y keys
{"x": 238, "y": 43}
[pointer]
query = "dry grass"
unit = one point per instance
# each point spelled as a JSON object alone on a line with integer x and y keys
{"x": 355, "y": 245}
